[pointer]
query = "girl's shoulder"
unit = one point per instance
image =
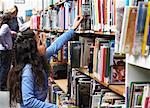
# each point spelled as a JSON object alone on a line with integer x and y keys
{"x": 4, "y": 26}
{"x": 27, "y": 70}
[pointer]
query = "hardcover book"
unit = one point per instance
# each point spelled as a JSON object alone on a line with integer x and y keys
{"x": 118, "y": 71}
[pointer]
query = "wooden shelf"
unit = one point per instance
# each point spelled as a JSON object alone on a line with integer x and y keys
{"x": 53, "y": 63}
{"x": 62, "y": 83}
{"x": 79, "y": 32}
{"x": 104, "y": 33}
{"x": 141, "y": 61}
{"x": 119, "y": 89}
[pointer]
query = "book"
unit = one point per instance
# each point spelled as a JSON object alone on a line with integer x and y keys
{"x": 75, "y": 53}
{"x": 123, "y": 31}
{"x": 86, "y": 13}
{"x": 146, "y": 93}
{"x": 83, "y": 92}
{"x": 87, "y": 44}
{"x": 145, "y": 48}
{"x": 141, "y": 18}
{"x": 118, "y": 71}
{"x": 131, "y": 24}
{"x": 119, "y": 20}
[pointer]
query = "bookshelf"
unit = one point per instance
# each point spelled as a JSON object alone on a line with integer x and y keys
{"x": 119, "y": 89}
{"x": 137, "y": 83}
{"x": 137, "y": 70}
{"x": 96, "y": 28}
{"x": 62, "y": 83}
{"x": 79, "y": 32}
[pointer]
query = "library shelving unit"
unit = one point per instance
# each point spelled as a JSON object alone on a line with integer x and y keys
{"x": 119, "y": 89}
{"x": 63, "y": 83}
{"x": 137, "y": 70}
{"x": 79, "y": 32}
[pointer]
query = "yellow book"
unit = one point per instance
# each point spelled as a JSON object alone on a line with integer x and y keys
{"x": 144, "y": 51}
{"x": 59, "y": 55}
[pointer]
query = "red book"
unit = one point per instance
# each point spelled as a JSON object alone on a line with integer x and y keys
{"x": 148, "y": 106}
{"x": 79, "y": 7}
{"x": 99, "y": 14}
{"x": 104, "y": 52}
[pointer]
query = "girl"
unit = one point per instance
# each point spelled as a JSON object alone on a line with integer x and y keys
{"x": 5, "y": 48}
{"x": 28, "y": 79}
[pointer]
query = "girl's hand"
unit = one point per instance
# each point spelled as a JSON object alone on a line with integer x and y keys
{"x": 13, "y": 33}
{"x": 77, "y": 21}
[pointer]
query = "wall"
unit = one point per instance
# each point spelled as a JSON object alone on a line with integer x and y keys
{"x": 29, "y": 4}
{"x": 1, "y": 5}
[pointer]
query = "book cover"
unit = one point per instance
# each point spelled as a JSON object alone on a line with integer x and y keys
{"x": 118, "y": 71}
{"x": 131, "y": 24}
{"x": 141, "y": 18}
{"x": 146, "y": 93}
{"x": 86, "y": 13}
{"x": 87, "y": 43}
{"x": 123, "y": 31}
{"x": 75, "y": 50}
{"x": 96, "y": 49}
{"x": 119, "y": 21}
{"x": 148, "y": 41}
{"x": 145, "y": 48}
{"x": 67, "y": 6}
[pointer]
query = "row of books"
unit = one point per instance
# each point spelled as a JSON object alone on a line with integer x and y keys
{"x": 90, "y": 94}
{"x": 58, "y": 97}
{"x": 134, "y": 37}
{"x": 97, "y": 55}
{"x": 103, "y": 15}
{"x": 106, "y": 67}
{"x": 99, "y": 15}
{"x": 139, "y": 95}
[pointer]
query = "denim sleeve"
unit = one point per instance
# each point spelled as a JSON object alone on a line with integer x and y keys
{"x": 28, "y": 97}
{"x": 58, "y": 43}
{"x": 4, "y": 29}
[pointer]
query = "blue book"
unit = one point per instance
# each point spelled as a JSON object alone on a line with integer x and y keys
{"x": 148, "y": 39}
{"x": 142, "y": 12}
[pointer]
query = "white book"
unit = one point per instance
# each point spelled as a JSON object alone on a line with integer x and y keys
{"x": 123, "y": 31}
{"x": 96, "y": 101}
{"x": 146, "y": 93}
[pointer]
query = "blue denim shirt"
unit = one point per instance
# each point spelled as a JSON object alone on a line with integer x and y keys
{"x": 5, "y": 37}
{"x": 31, "y": 95}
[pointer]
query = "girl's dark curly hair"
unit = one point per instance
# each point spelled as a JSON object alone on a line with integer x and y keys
{"x": 25, "y": 52}
{"x": 5, "y": 18}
